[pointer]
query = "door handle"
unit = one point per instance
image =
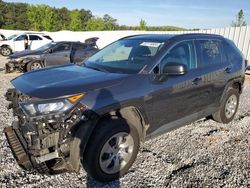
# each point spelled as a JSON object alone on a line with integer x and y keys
{"x": 228, "y": 69}
{"x": 196, "y": 81}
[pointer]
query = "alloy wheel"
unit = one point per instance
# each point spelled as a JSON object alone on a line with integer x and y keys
{"x": 116, "y": 153}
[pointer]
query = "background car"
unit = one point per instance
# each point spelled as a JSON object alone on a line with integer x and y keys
{"x": 16, "y": 42}
{"x": 51, "y": 54}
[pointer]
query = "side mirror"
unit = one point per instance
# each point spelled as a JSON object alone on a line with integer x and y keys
{"x": 175, "y": 69}
{"x": 50, "y": 51}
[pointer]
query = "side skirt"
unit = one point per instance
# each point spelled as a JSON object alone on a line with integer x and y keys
{"x": 181, "y": 122}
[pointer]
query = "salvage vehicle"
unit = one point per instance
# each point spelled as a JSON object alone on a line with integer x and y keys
{"x": 132, "y": 90}
{"x": 51, "y": 54}
{"x": 16, "y": 42}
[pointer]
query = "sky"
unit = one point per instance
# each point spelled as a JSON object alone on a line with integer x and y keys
{"x": 182, "y": 13}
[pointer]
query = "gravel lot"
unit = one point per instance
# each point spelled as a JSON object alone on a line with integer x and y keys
{"x": 202, "y": 154}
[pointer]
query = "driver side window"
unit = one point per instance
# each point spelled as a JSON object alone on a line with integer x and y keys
{"x": 21, "y": 37}
{"x": 182, "y": 53}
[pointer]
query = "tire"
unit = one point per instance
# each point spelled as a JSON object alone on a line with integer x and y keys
{"x": 101, "y": 153}
{"x": 34, "y": 65}
{"x": 228, "y": 107}
{"x": 6, "y": 51}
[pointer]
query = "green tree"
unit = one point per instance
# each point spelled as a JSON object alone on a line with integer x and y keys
{"x": 240, "y": 20}
{"x": 75, "y": 21}
{"x": 62, "y": 19}
{"x": 47, "y": 15}
{"x": 85, "y": 16}
{"x": 95, "y": 24}
{"x": 110, "y": 23}
{"x": 143, "y": 25}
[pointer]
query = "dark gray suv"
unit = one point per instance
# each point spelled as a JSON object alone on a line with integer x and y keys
{"x": 134, "y": 89}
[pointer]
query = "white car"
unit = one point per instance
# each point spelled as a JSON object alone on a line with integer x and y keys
{"x": 15, "y": 43}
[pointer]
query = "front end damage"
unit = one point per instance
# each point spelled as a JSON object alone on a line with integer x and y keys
{"x": 51, "y": 143}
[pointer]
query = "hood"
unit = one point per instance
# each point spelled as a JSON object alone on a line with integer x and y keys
{"x": 64, "y": 80}
{"x": 25, "y": 53}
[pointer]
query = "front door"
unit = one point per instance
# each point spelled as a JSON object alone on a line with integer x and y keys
{"x": 59, "y": 55}
{"x": 178, "y": 96}
{"x": 19, "y": 43}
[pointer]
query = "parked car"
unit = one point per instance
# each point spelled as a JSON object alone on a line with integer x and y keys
{"x": 51, "y": 54}
{"x": 132, "y": 90}
{"x": 17, "y": 42}
{"x": 2, "y": 37}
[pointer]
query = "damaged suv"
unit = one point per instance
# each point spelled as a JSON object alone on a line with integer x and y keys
{"x": 134, "y": 89}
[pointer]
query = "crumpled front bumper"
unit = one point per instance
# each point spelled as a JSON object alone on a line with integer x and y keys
{"x": 11, "y": 66}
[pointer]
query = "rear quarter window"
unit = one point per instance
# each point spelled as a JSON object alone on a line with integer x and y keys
{"x": 232, "y": 52}
{"x": 47, "y": 37}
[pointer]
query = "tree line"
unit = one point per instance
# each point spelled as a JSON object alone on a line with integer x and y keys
{"x": 23, "y": 16}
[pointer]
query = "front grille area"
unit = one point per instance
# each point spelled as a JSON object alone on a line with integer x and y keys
{"x": 42, "y": 144}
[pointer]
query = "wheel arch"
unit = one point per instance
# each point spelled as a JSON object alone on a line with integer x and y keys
{"x": 83, "y": 133}
{"x": 133, "y": 116}
{"x": 236, "y": 84}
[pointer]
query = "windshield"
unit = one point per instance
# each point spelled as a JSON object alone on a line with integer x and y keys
{"x": 125, "y": 56}
{"x": 46, "y": 46}
{"x": 11, "y": 37}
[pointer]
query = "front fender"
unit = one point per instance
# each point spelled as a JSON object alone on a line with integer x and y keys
{"x": 81, "y": 135}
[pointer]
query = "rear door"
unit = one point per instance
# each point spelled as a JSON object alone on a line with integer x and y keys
{"x": 215, "y": 70}
{"x": 35, "y": 41}
{"x": 78, "y": 53}
{"x": 59, "y": 55}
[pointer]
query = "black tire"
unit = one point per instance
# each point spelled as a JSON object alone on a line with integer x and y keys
{"x": 34, "y": 65}
{"x": 223, "y": 115}
{"x": 6, "y": 51}
{"x": 105, "y": 131}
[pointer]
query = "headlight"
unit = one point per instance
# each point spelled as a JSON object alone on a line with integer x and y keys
{"x": 51, "y": 106}
{"x": 19, "y": 59}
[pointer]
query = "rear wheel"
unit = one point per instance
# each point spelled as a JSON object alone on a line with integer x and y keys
{"x": 112, "y": 150}
{"x": 6, "y": 51}
{"x": 34, "y": 65}
{"x": 228, "y": 108}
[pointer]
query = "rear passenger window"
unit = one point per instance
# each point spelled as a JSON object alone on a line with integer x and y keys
{"x": 79, "y": 46}
{"x": 182, "y": 53}
{"x": 35, "y": 37}
{"x": 211, "y": 52}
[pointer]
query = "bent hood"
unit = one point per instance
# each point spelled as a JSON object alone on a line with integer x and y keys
{"x": 64, "y": 80}
{"x": 25, "y": 53}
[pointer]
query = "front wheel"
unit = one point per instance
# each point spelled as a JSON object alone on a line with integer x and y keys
{"x": 228, "y": 108}
{"x": 5, "y": 51}
{"x": 112, "y": 150}
{"x": 34, "y": 65}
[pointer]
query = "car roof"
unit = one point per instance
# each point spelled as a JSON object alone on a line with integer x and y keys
{"x": 165, "y": 37}
{"x": 77, "y": 42}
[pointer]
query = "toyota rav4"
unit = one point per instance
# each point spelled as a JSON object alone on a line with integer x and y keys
{"x": 136, "y": 88}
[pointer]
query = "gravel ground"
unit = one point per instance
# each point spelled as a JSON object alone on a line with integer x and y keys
{"x": 202, "y": 154}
